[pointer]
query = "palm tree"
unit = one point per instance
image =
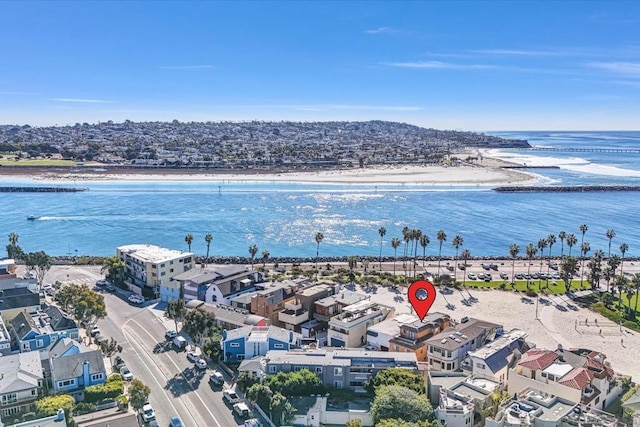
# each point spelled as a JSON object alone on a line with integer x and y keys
{"x": 395, "y": 243}
{"x": 456, "y": 242}
{"x": 416, "y": 234}
{"x": 595, "y": 268}
{"x": 531, "y": 252}
{"x": 635, "y": 284}
{"x": 584, "y": 249}
{"x": 13, "y": 238}
{"x": 583, "y": 230}
{"x": 623, "y": 250}
{"x": 319, "y": 237}
{"x": 465, "y": 255}
{"x": 189, "y": 239}
{"x": 442, "y": 237}
{"x": 514, "y": 250}
{"x": 551, "y": 239}
{"x": 208, "y": 238}
{"x": 610, "y": 235}
{"x": 265, "y": 257}
{"x": 424, "y": 242}
{"x": 571, "y": 240}
{"x": 562, "y": 235}
{"x": 381, "y": 231}
{"x": 542, "y": 244}
{"x": 406, "y": 236}
{"x": 621, "y": 283}
{"x": 253, "y": 250}
{"x": 612, "y": 265}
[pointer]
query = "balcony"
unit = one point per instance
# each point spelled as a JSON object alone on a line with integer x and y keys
{"x": 293, "y": 317}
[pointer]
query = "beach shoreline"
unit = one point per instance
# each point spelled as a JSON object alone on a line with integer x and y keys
{"x": 488, "y": 171}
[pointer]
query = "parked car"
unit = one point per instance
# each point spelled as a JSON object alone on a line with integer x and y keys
{"x": 136, "y": 299}
{"x": 472, "y": 276}
{"x": 241, "y": 409}
{"x": 201, "y": 364}
{"x": 175, "y": 422}
{"x": 126, "y": 373}
{"x": 170, "y": 334}
{"x": 179, "y": 343}
{"x": 192, "y": 356}
{"x": 148, "y": 413}
{"x": 488, "y": 277}
{"x": 119, "y": 362}
{"x": 230, "y": 396}
{"x": 110, "y": 288}
{"x": 216, "y": 379}
{"x": 462, "y": 266}
{"x": 94, "y": 331}
{"x": 253, "y": 422}
{"x": 504, "y": 276}
{"x": 47, "y": 288}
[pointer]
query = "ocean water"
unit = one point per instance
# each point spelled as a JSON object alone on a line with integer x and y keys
{"x": 284, "y": 217}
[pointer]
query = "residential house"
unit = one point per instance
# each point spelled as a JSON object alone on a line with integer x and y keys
{"x": 152, "y": 267}
{"x": 16, "y": 300}
{"x": 326, "y": 308}
{"x": 413, "y": 336}
{"x": 340, "y": 368}
{"x": 107, "y": 418}
{"x": 7, "y": 268}
{"x": 302, "y": 307}
{"x": 75, "y": 367}
{"x": 242, "y": 301}
{"x": 447, "y": 350}
{"x": 379, "y": 335}
{"x": 216, "y": 284}
{"x": 21, "y": 383}
{"x": 250, "y": 341}
{"x": 577, "y": 375}
{"x": 5, "y": 339}
{"x": 57, "y": 420}
{"x": 318, "y": 410}
{"x": 43, "y": 329}
{"x": 270, "y": 298}
{"x": 495, "y": 358}
{"x": 454, "y": 410}
{"x": 228, "y": 317}
{"x": 349, "y": 328}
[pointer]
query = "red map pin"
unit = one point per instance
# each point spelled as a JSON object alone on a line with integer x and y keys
{"x": 421, "y": 294}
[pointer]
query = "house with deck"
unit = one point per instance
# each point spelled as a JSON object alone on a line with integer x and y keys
{"x": 250, "y": 341}
{"x": 21, "y": 384}
{"x": 41, "y": 330}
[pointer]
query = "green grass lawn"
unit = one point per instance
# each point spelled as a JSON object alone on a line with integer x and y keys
{"x": 36, "y": 162}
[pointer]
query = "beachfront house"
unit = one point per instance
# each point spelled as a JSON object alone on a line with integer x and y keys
{"x": 74, "y": 366}
{"x": 215, "y": 284}
{"x": 413, "y": 336}
{"x": 250, "y": 341}
{"x": 149, "y": 269}
{"x": 349, "y": 328}
{"x": 447, "y": 350}
{"x": 21, "y": 384}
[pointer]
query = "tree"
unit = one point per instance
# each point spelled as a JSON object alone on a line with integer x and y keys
{"x": 514, "y": 250}
{"x": 465, "y": 255}
{"x": 456, "y": 242}
{"x": 397, "y": 422}
{"x": 189, "y": 239}
{"x": 395, "y": 244}
{"x": 319, "y": 237}
{"x": 208, "y": 239}
{"x": 406, "y": 237}
{"x": 246, "y": 379}
{"x": 612, "y": 264}
{"x": 13, "y": 250}
{"x": 583, "y": 230}
{"x": 571, "y": 240}
{"x": 621, "y": 283}
{"x": 584, "y": 249}
{"x": 110, "y": 347}
{"x": 562, "y": 235}
{"x": 301, "y": 383}
{"x": 261, "y": 395}
{"x": 442, "y": 237}
{"x": 542, "y": 244}
{"x": 48, "y": 406}
{"x": 568, "y": 269}
{"x": 352, "y": 262}
{"x": 40, "y": 262}
{"x": 253, "y": 250}
{"x": 265, "y": 257}
{"x": 424, "y": 242}
{"x": 138, "y": 394}
{"x": 176, "y": 310}
{"x": 400, "y": 402}
{"x": 595, "y": 268}
{"x": 531, "y": 253}
{"x": 623, "y": 250}
{"x": 84, "y": 304}
{"x": 551, "y": 239}
{"x": 416, "y": 235}
{"x": 635, "y": 284}
{"x": 354, "y": 423}
{"x": 281, "y": 410}
{"x": 115, "y": 268}
{"x": 610, "y": 235}
{"x": 199, "y": 324}
{"x": 395, "y": 376}
{"x": 382, "y": 232}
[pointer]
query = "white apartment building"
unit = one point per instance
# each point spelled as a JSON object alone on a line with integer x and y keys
{"x": 349, "y": 328}
{"x": 454, "y": 410}
{"x": 150, "y": 266}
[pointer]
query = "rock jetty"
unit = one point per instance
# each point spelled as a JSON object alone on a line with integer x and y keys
{"x": 567, "y": 189}
{"x": 40, "y": 190}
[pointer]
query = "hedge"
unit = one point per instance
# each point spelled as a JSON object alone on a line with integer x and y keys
{"x": 96, "y": 393}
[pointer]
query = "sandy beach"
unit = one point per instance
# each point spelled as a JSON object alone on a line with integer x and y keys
{"x": 487, "y": 172}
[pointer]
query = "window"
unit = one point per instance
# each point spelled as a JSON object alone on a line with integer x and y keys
{"x": 544, "y": 375}
{"x": 39, "y": 343}
{"x": 411, "y": 335}
{"x": 96, "y": 377}
{"x": 297, "y": 368}
{"x": 171, "y": 271}
{"x": 337, "y": 371}
{"x": 11, "y": 411}
{"x": 214, "y": 298}
{"x": 318, "y": 369}
{"x": 171, "y": 263}
{"x": 9, "y": 398}
{"x": 161, "y": 265}
{"x": 234, "y": 344}
{"x": 482, "y": 366}
{"x": 26, "y": 346}
{"x": 278, "y": 346}
{"x": 337, "y": 384}
{"x": 273, "y": 369}
{"x": 395, "y": 347}
{"x": 66, "y": 383}
{"x": 163, "y": 273}
{"x": 34, "y": 392}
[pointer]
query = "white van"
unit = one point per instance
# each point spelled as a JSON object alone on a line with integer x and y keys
{"x": 179, "y": 343}
{"x": 241, "y": 409}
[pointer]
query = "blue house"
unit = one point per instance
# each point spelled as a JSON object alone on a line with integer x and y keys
{"x": 250, "y": 341}
{"x": 74, "y": 366}
{"x": 43, "y": 329}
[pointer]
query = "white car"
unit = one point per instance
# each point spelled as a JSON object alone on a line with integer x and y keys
{"x": 126, "y": 373}
{"x": 148, "y": 414}
{"x": 136, "y": 299}
{"x": 472, "y": 276}
{"x": 201, "y": 364}
{"x": 192, "y": 356}
{"x": 230, "y": 396}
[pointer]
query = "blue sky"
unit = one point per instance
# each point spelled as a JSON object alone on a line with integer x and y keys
{"x": 455, "y": 65}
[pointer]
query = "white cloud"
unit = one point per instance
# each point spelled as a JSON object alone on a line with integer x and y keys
{"x": 380, "y": 30}
{"x": 83, "y": 101}
{"x": 186, "y": 67}
{"x": 519, "y": 52}
{"x": 439, "y": 65}
{"x": 629, "y": 69}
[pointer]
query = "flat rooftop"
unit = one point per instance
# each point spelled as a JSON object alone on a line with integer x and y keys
{"x": 344, "y": 297}
{"x": 152, "y": 253}
{"x": 499, "y": 343}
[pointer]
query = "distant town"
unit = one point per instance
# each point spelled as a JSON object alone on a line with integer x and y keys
{"x": 241, "y": 145}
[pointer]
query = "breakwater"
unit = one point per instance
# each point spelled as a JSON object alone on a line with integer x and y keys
{"x": 568, "y": 189}
{"x": 40, "y": 190}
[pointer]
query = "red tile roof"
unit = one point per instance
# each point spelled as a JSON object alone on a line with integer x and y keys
{"x": 578, "y": 378}
{"x": 537, "y": 359}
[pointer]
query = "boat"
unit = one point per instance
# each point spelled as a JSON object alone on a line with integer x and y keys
{"x": 32, "y": 217}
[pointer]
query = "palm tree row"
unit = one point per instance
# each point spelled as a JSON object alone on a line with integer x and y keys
{"x": 208, "y": 238}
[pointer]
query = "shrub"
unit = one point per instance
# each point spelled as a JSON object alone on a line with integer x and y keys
{"x": 95, "y": 393}
{"x": 123, "y": 401}
{"x": 84, "y": 408}
{"x": 532, "y": 294}
{"x": 114, "y": 377}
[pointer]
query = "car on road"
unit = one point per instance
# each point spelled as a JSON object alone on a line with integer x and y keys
{"x": 201, "y": 364}
{"x": 126, "y": 373}
{"x": 148, "y": 413}
{"x": 216, "y": 379}
{"x": 118, "y": 362}
{"x": 488, "y": 277}
{"x": 48, "y": 288}
{"x": 94, "y": 331}
{"x": 179, "y": 343}
{"x": 175, "y": 422}
{"x": 192, "y": 356}
{"x": 241, "y": 409}
{"x": 462, "y": 266}
{"x": 253, "y": 422}
{"x": 170, "y": 334}
{"x": 135, "y": 299}
{"x": 110, "y": 288}
{"x": 472, "y": 276}
{"x": 101, "y": 283}
{"x": 504, "y": 276}
{"x": 230, "y": 396}
{"x": 519, "y": 276}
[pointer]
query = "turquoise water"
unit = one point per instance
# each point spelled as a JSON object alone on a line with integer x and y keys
{"x": 284, "y": 217}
